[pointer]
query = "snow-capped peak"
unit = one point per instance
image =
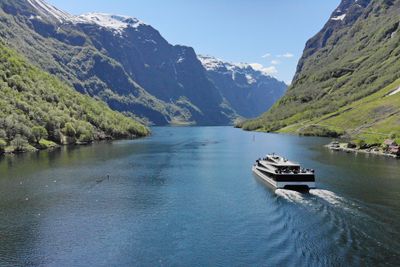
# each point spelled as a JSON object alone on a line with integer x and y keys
{"x": 50, "y": 10}
{"x": 114, "y": 22}
{"x": 211, "y": 63}
{"x": 249, "y": 71}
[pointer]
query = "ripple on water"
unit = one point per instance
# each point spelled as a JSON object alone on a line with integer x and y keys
{"x": 328, "y": 196}
{"x": 291, "y": 196}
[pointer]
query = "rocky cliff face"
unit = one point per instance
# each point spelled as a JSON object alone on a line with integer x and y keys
{"x": 118, "y": 59}
{"x": 249, "y": 91}
{"x": 353, "y": 59}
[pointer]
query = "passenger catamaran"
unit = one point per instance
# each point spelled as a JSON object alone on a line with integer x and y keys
{"x": 282, "y": 173}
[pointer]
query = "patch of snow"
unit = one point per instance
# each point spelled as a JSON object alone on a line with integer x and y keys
{"x": 117, "y": 23}
{"x": 266, "y": 71}
{"x": 250, "y": 79}
{"x": 45, "y": 8}
{"x": 213, "y": 64}
{"x": 341, "y": 17}
{"x": 35, "y": 17}
{"x": 210, "y": 63}
{"x": 180, "y": 60}
{"x": 150, "y": 41}
{"x": 395, "y": 92}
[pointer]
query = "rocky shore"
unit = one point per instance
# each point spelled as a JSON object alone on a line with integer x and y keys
{"x": 379, "y": 150}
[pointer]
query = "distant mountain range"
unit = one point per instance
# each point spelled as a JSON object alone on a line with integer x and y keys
{"x": 249, "y": 91}
{"x": 348, "y": 79}
{"x": 130, "y": 66}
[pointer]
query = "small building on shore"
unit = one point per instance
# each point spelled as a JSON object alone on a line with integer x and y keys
{"x": 389, "y": 142}
{"x": 391, "y": 147}
{"x": 395, "y": 150}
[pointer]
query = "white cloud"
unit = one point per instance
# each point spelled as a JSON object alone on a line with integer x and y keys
{"x": 286, "y": 55}
{"x": 275, "y": 62}
{"x": 266, "y": 55}
{"x": 271, "y": 70}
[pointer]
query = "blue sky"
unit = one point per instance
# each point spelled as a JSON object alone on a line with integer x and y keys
{"x": 268, "y": 32}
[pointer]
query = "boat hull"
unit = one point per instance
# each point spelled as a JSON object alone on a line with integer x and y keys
{"x": 283, "y": 184}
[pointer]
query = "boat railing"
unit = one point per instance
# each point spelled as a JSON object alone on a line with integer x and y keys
{"x": 289, "y": 171}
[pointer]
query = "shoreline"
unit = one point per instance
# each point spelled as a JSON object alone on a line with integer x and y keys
{"x": 364, "y": 151}
{"x": 32, "y": 149}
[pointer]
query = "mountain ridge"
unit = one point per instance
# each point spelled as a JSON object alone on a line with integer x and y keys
{"x": 355, "y": 56}
{"x": 117, "y": 59}
{"x": 249, "y": 90}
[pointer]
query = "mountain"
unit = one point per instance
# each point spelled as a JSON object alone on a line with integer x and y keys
{"x": 38, "y": 108}
{"x": 347, "y": 78}
{"x": 118, "y": 59}
{"x": 249, "y": 91}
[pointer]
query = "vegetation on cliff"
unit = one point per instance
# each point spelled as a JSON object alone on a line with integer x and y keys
{"x": 37, "y": 110}
{"x": 344, "y": 78}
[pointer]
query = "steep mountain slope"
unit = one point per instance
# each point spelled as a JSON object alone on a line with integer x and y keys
{"x": 120, "y": 60}
{"x": 55, "y": 42}
{"x": 250, "y": 92}
{"x": 370, "y": 119}
{"x": 354, "y": 56}
{"x": 35, "y": 105}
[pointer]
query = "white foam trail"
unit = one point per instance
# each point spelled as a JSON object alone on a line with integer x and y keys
{"x": 290, "y": 195}
{"x": 328, "y": 196}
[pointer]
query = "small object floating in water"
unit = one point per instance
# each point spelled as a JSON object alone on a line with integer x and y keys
{"x": 26, "y": 199}
{"x": 55, "y": 181}
{"x": 284, "y": 174}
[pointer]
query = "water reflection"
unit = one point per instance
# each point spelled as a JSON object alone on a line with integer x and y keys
{"x": 186, "y": 196}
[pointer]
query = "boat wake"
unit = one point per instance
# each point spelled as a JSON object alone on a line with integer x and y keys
{"x": 291, "y": 196}
{"x": 310, "y": 197}
{"x": 328, "y": 196}
{"x": 348, "y": 221}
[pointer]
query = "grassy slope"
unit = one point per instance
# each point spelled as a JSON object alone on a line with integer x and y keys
{"x": 372, "y": 118}
{"x": 359, "y": 59}
{"x": 30, "y": 97}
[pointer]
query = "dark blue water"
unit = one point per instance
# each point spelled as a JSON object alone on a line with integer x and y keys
{"x": 187, "y": 197}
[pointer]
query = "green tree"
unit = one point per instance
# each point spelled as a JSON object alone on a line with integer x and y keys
{"x": 86, "y": 137}
{"x": 39, "y": 133}
{"x": 69, "y": 129}
{"x": 19, "y": 143}
{"x": 360, "y": 143}
{"x": 3, "y": 134}
{"x": 3, "y": 145}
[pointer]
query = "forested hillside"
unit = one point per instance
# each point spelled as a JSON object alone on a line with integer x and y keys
{"x": 38, "y": 110}
{"x": 122, "y": 61}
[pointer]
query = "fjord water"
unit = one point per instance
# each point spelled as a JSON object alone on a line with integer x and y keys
{"x": 187, "y": 197}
